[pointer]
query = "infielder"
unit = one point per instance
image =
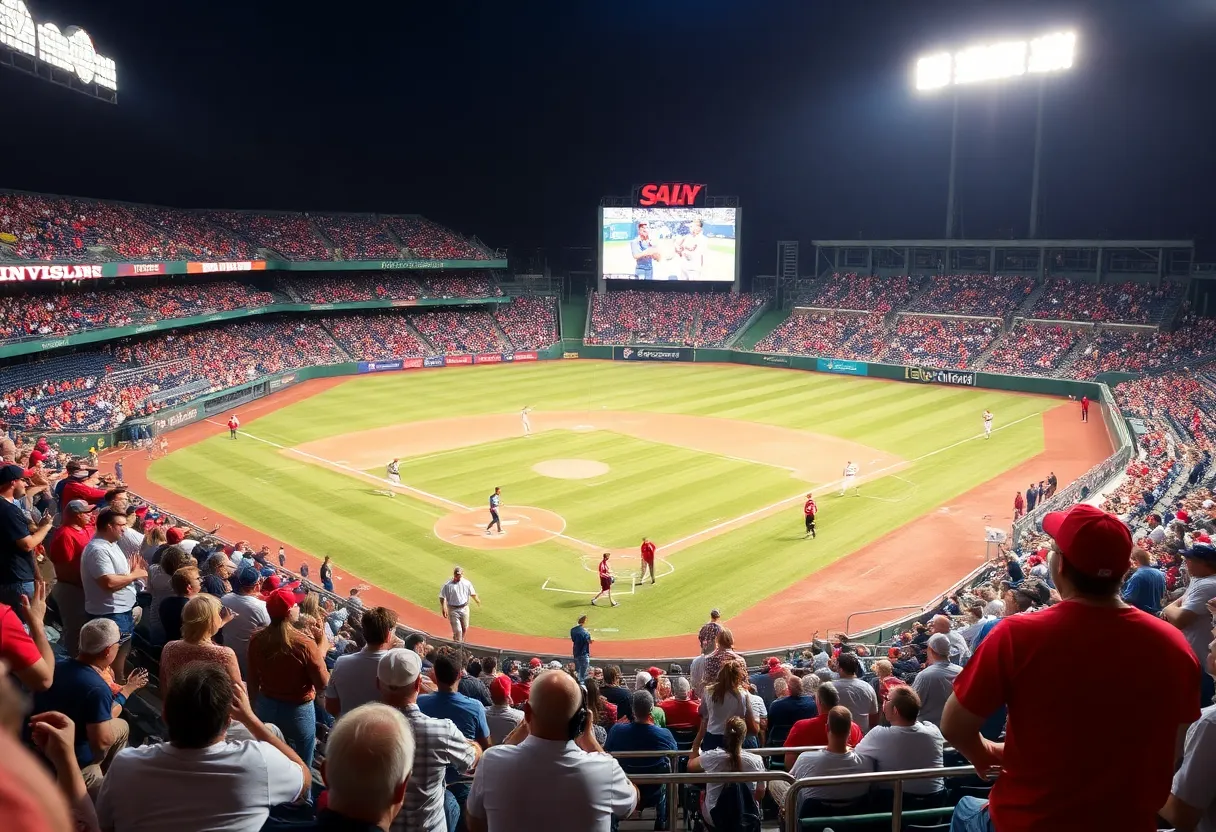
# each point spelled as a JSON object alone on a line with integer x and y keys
{"x": 495, "y": 503}
{"x": 606, "y": 579}
{"x": 987, "y": 424}
{"x": 454, "y": 603}
{"x": 809, "y": 510}
{"x": 850, "y": 476}
{"x": 691, "y": 251}
{"x": 523, "y": 418}
{"x": 392, "y": 474}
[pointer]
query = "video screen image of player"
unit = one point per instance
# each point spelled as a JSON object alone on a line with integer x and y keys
{"x": 669, "y": 244}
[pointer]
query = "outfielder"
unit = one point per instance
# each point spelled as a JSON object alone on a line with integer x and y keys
{"x": 850, "y": 476}
{"x": 454, "y": 603}
{"x": 495, "y": 502}
{"x": 987, "y": 424}
{"x": 523, "y": 418}
{"x": 808, "y": 510}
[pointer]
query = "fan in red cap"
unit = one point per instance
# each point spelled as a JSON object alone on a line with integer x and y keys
{"x": 1035, "y": 672}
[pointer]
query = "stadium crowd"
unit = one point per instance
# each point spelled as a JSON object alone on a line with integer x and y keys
{"x": 291, "y": 235}
{"x": 1030, "y": 349}
{"x": 869, "y": 293}
{"x": 431, "y": 241}
{"x": 974, "y": 294}
{"x": 683, "y": 318}
{"x": 358, "y": 236}
{"x": 949, "y": 343}
{"x": 371, "y": 286}
{"x": 1133, "y": 303}
{"x": 471, "y": 331}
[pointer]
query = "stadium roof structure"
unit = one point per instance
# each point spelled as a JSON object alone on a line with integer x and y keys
{"x": 1126, "y": 258}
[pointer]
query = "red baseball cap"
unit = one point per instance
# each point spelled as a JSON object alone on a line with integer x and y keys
{"x": 534, "y": 662}
{"x": 502, "y": 684}
{"x": 279, "y": 603}
{"x": 1093, "y": 542}
{"x": 654, "y": 672}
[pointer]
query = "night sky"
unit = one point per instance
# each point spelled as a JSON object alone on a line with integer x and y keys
{"x": 511, "y": 119}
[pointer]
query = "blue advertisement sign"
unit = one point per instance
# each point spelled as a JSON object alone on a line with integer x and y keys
{"x": 842, "y": 366}
{"x": 433, "y": 361}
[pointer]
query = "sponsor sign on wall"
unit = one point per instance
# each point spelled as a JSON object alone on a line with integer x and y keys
{"x": 433, "y": 361}
{"x": 841, "y": 366}
{"x": 488, "y": 358}
{"x": 652, "y": 353}
{"x": 19, "y": 274}
{"x": 930, "y": 375}
{"x": 525, "y": 356}
{"x": 776, "y": 360}
{"x": 215, "y": 268}
{"x": 379, "y": 366}
{"x": 140, "y": 269}
{"x": 458, "y": 360}
{"x": 569, "y": 355}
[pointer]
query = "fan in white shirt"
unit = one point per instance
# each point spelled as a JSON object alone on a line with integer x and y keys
{"x": 837, "y": 758}
{"x": 196, "y": 780}
{"x": 353, "y": 680}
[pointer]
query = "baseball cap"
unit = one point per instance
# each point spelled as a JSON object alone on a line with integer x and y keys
{"x": 1201, "y": 551}
{"x": 279, "y": 603}
{"x": 11, "y": 473}
{"x": 273, "y": 583}
{"x": 399, "y": 668}
{"x": 1093, "y": 542}
{"x": 1183, "y": 516}
{"x": 500, "y": 683}
{"x": 772, "y": 661}
{"x": 247, "y": 576}
{"x": 534, "y": 662}
{"x": 654, "y": 672}
{"x": 79, "y": 506}
{"x": 939, "y": 643}
{"x": 554, "y": 665}
{"x": 97, "y": 635}
{"x": 1202, "y": 537}
{"x": 175, "y": 535}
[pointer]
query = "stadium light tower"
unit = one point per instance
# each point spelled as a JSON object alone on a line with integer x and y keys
{"x": 1000, "y": 61}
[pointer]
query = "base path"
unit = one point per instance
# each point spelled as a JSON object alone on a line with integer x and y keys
{"x": 912, "y": 565}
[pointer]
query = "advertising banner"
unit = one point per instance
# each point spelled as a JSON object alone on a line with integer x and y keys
{"x": 569, "y": 355}
{"x": 140, "y": 269}
{"x": 283, "y": 380}
{"x": 22, "y": 274}
{"x": 525, "y": 356}
{"x": 775, "y": 360}
{"x": 841, "y": 366}
{"x": 215, "y": 268}
{"x": 433, "y": 361}
{"x": 379, "y": 366}
{"x": 412, "y": 363}
{"x": 458, "y": 360}
{"x": 488, "y": 358}
{"x": 652, "y": 354}
{"x": 930, "y": 375}
{"x": 168, "y": 420}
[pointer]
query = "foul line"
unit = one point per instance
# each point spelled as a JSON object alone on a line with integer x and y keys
{"x": 869, "y": 477}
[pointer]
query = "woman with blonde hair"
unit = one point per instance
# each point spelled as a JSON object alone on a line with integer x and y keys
{"x": 202, "y": 618}
{"x": 154, "y": 538}
{"x": 160, "y": 584}
{"x": 726, "y": 697}
{"x": 731, "y": 757}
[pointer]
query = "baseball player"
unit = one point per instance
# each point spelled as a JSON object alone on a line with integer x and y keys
{"x": 606, "y": 579}
{"x": 454, "y": 599}
{"x": 987, "y": 424}
{"x": 647, "y": 560}
{"x": 234, "y": 424}
{"x": 392, "y": 472}
{"x": 691, "y": 251}
{"x": 850, "y": 476}
{"x": 644, "y": 253}
{"x": 523, "y": 418}
{"x": 495, "y": 503}
{"x": 808, "y": 510}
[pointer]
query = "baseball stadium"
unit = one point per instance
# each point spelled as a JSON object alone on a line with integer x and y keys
{"x": 273, "y": 446}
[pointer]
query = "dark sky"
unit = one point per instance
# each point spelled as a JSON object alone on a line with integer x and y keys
{"x": 511, "y": 119}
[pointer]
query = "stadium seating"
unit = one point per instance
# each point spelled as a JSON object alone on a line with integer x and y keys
{"x": 194, "y": 235}
{"x": 291, "y": 235}
{"x": 687, "y": 318}
{"x": 1132, "y": 303}
{"x": 949, "y": 343}
{"x": 376, "y": 337}
{"x": 431, "y": 241}
{"x": 530, "y": 323}
{"x": 75, "y": 230}
{"x": 358, "y": 236}
{"x": 1138, "y": 351}
{"x": 861, "y": 292}
{"x": 971, "y": 294}
{"x": 839, "y": 335}
{"x": 1030, "y": 349}
{"x": 456, "y": 332}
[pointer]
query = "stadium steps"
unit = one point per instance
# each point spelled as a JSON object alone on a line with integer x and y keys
{"x": 1064, "y": 368}
{"x": 926, "y": 284}
{"x": 322, "y": 236}
{"x": 431, "y": 349}
{"x": 333, "y": 336}
{"x": 760, "y": 326}
{"x": 404, "y": 250}
{"x": 507, "y": 344}
{"x": 981, "y": 360}
{"x": 1023, "y": 311}
{"x": 756, "y": 315}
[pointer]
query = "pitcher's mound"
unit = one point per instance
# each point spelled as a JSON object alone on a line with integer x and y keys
{"x": 521, "y": 525}
{"x": 571, "y": 469}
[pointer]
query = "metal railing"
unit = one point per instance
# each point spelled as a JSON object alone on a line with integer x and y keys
{"x": 790, "y": 807}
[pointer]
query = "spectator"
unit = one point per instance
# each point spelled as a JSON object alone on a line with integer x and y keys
{"x": 250, "y": 615}
{"x": 29, "y": 657}
{"x": 643, "y": 735}
{"x": 935, "y": 683}
{"x": 1041, "y": 785}
{"x": 696, "y": 670}
{"x": 369, "y": 757}
{"x": 723, "y": 654}
{"x": 792, "y": 708}
{"x": 186, "y": 583}
{"x": 602, "y": 712}
{"x": 580, "y": 637}
{"x": 81, "y": 692}
{"x": 286, "y": 668}
{"x": 614, "y": 691}
{"x": 814, "y": 731}
{"x": 726, "y": 697}
{"x": 198, "y": 780}
{"x": 1145, "y": 587}
{"x": 763, "y": 679}
{"x": 28, "y": 794}
{"x": 856, "y": 695}
{"x": 17, "y": 543}
{"x": 501, "y": 717}
{"x": 885, "y": 680}
{"x": 1190, "y": 613}
{"x": 1192, "y": 801}
{"x": 468, "y": 715}
{"x": 838, "y": 758}
{"x": 66, "y": 549}
{"x": 160, "y": 584}
{"x": 218, "y": 579}
{"x": 353, "y": 680}
{"x": 707, "y": 636}
{"x": 680, "y": 710}
{"x": 730, "y": 757}
{"x": 959, "y": 649}
{"x": 202, "y": 618}
{"x": 110, "y": 582}
{"x": 438, "y": 743}
{"x": 550, "y": 767}
{"x": 905, "y": 744}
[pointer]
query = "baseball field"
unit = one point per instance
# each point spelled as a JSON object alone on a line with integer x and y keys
{"x": 712, "y": 462}
{"x": 719, "y": 259}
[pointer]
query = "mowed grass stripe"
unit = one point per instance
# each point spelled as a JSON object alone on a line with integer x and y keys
{"x": 390, "y": 542}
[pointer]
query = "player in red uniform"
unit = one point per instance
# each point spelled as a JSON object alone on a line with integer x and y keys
{"x": 1085, "y": 408}
{"x": 808, "y": 509}
{"x": 606, "y": 580}
{"x": 647, "y": 560}
{"x": 233, "y": 424}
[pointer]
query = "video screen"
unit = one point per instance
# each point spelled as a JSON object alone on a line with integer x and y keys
{"x": 682, "y": 244}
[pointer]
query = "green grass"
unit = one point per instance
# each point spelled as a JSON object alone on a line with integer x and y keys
{"x": 390, "y": 542}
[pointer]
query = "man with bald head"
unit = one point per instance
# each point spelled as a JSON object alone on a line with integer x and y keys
{"x": 959, "y": 651}
{"x": 550, "y": 769}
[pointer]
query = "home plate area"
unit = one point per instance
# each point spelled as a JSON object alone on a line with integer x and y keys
{"x": 521, "y": 526}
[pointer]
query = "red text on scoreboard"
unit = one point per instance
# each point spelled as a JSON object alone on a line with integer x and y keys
{"x": 670, "y": 194}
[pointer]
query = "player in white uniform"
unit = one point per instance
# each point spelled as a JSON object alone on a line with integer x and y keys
{"x": 454, "y": 597}
{"x": 525, "y": 421}
{"x": 850, "y": 476}
{"x": 987, "y": 424}
{"x": 691, "y": 251}
{"x": 394, "y": 472}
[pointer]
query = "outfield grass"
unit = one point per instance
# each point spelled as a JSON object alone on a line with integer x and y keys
{"x": 390, "y": 542}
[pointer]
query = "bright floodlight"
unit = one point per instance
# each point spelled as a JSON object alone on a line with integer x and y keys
{"x": 996, "y": 61}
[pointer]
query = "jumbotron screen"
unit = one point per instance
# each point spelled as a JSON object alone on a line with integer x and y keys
{"x": 669, "y": 244}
